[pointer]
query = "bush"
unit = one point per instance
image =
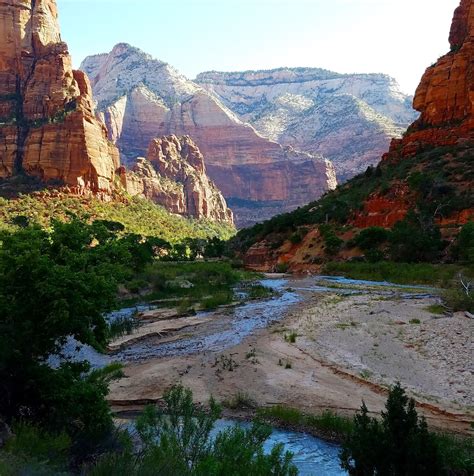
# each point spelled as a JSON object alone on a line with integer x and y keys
{"x": 464, "y": 247}
{"x": 332, "y": 242}
{"x": 371, "y": 238}
{"x": 177, "y": 441}
{"x": 413, "y": 241}
{"x": 400, "y": 444}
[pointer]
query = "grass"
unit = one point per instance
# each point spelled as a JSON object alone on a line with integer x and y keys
{"x": 258, "y": 291}
{"x": 415, "y": 321}
{"x": 239, "y": 401}
{"x": 328, "y": 423}
{"x": 398, "y": 273}
{"x": 457, "y": 452}
{"x": 121, "y": 327}
{"x": 437, "y": 309}
{"x": 291, "y": 337}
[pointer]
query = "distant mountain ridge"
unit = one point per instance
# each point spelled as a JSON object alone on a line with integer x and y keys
{"x": 349, "y": 118}
{"x": 140, "y": 98}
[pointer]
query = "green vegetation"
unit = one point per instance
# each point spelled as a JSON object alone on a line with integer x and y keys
{"x": 208, "y": 284}
{"x": 332, "y": 242}
{"x": 400, "y": 273}
{"x": 436, "y": 309}
{"x": 327, "y": 424}
{"x": 177, "y": 441}
{"x": 415, "y": 321}
{"x": 291, "y": 337}
{"x": 400, "y": 444}
{"x": 138, "y": 216}
{"x": 53, "y": 285}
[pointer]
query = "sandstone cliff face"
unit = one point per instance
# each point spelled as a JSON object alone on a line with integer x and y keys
{"x": 174, "y": 175}
{"x": 445, "y": 99}
{"x": 348, "y": 118}
{"x": 47, "y": 124}
{"x": 140, "y": 98}
{"x": 429, "y": 171}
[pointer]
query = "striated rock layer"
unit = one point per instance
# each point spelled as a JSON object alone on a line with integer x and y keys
{"x": 48, "y": 128}
{"x": 174, "y": 175}
{"x": 349, "y": 118}
{"x": 140, "y": 98}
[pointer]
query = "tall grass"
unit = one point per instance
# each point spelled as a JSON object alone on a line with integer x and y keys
{"x": 327, "y": 423}
{"x": 400, "y": 273}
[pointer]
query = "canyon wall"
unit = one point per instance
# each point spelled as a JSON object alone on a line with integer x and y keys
{"x": 140, "y": 98}
{"x": 174, "y": 175}
{"x": 48, "y": 128}
{"x": 349, "y": 118}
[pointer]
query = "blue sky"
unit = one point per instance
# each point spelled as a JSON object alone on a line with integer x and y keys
{"x": 397, "y": 37}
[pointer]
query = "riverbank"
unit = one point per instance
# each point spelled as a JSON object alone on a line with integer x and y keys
{"x": 327, "y": 351}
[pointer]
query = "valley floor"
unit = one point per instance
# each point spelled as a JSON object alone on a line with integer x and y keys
{"x": 347, "y": 348}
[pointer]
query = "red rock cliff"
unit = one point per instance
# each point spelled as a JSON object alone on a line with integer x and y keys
{"x": 47, "y": 124}
{"x": 445, "y": 98}
{"x": 445, "y": 95}
{"x": 174, "y": 175}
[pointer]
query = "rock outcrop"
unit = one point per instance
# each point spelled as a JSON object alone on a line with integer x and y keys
{"x": 140, "y": 98}
{"x": 48, "y": 128}
{"x": 445, "y": 99}
{"x": 349, "y": 118}
{"x": 174, "y": 175}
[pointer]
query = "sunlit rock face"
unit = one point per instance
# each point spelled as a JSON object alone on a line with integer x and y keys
{"x": 140, "y": 98}
{"x": 349, "y": 118}
{"x": 48, "y": 127}
{"x": 445, "y": 99}
{"x": 174, "y": 175}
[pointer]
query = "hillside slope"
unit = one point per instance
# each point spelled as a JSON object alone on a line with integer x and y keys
{"x": 422, "y": 188}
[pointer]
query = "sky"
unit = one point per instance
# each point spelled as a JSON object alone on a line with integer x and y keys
{"x": 397, "y": 37}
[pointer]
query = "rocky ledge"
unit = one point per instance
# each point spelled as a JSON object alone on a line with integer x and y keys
{"x": 174, "y": 175}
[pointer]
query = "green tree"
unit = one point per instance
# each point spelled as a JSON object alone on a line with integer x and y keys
{"x": 464, "y": 246}
{"x": 415, "y": 239}
{"x": 399, "y": 445}
{"x": 54, "y": 285}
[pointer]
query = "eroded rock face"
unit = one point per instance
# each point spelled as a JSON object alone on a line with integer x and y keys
{"x": 47, "y": 123}
{"x": 174, "y": 175}
{"x": 445, "y": 99}
{"x": 140, "y": 98}
{"x": 349, "y": 118}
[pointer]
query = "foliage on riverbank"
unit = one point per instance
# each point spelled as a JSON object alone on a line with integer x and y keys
{"x": 328, "y": 424}
{"x": 174, "y": 440}
{"x": 189, "y": 285}
{"x": 456, "y": 281}
{"x": 400, "y": 443}
{"x": 138, "y": 216}
{"x": 399, "y": 273}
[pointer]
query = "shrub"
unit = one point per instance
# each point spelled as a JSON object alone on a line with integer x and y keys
{"x": 371, "y": 238}
{"x": 332, "y": 242}
{"x": 400, "y": 444}
{"x": 413, "y": 240}
{"x": 463, "y": 249}
{"x": 177, "y": 440}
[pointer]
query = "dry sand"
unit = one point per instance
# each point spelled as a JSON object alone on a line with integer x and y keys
{"x": 347, "y": 349}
